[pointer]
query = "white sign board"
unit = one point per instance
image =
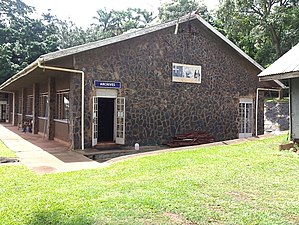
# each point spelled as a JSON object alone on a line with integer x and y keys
{"x": 186, "y": 73}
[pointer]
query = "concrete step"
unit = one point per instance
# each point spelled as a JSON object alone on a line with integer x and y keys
{"x": 106, "y": 146}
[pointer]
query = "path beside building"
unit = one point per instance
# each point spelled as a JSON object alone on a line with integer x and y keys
{"x": 56, "y": 157}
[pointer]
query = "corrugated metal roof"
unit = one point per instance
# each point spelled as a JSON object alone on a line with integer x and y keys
{"x": 286, "y": 64}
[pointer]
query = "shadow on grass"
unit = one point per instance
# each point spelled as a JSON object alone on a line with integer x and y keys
{"x": 59, "y": 218}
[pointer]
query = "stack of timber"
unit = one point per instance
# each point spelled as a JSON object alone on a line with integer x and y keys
{"x": 192, "y": 138}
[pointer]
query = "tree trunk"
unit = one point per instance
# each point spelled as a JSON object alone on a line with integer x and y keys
{"x": 275, "y": 41}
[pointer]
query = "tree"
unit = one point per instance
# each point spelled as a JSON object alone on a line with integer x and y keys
{"x": 22, "y": 38}
{"x": 264, "y": 29}
{"x": 113, "y": 22}
{"x": 178, "y": 8}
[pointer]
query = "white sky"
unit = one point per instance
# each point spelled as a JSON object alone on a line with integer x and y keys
{"x": 81, "y": 12}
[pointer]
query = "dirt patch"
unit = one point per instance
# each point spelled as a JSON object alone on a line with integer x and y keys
{"x": 178, "y": 219}
{"x": 217, "y": 208}
{"x": 241, "y": 196}
{"x": 44, "y": 169}
{"x": 293, "y": 219}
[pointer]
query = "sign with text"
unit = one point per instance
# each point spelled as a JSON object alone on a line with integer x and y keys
{"x": 186, "y": 73}
{"x": 107, "y": 84}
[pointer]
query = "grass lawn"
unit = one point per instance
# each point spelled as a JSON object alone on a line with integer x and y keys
{"x": 249, "y": 183}
{"x": 5, "y": 152}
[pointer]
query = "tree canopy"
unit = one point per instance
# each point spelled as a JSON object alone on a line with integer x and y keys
{"x": 264, "y": 29}
{"x": 23, "y": 38}
{"x": 112, "y": 23}
{"x": 177, "y": 8}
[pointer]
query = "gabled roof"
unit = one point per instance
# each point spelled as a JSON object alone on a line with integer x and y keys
{"x": 287, "y": 66}
{"x": 141, "y": 32}
{"x": 123, "y": 37}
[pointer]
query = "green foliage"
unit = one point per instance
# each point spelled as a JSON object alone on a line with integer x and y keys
{"x": 248, "y": 183}
{"x": 264, "y": 29}
{"x": 112, "y": 23}
{"x": 178, "y": 8}
{"x": 22, "y": 38}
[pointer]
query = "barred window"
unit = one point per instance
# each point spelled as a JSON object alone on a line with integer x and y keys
{"x": 43, "y": 101}
{"x": 29, "y": 105}
{"x": 63, "y": 105}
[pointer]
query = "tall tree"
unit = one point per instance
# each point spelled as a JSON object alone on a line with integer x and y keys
{"x": 177, "y": 8}
{"x": 22, "y": 38}
{"x": 113, "y": 22}
{"x": 264, "y": 29}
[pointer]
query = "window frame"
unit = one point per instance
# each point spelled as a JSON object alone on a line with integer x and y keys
{"x": 61, "y": 113}
{"x": 43, "y": 101}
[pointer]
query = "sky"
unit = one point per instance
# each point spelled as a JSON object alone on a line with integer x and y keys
{"x": 82, "y": 12}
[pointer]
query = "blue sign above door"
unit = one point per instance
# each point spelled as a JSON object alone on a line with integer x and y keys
{"x": 107, "y": 84}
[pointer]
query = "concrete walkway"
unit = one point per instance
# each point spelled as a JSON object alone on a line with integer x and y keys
{"x": 43, "y": 156}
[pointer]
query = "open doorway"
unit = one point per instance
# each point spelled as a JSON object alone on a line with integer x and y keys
{"x": 106, "y": 119}
{"x": 3, "y": 115}
{"x": 108, "y": 123}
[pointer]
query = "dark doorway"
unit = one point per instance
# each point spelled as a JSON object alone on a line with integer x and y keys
{"x": 105, "y": 119}
{"x": 2, "y": 113}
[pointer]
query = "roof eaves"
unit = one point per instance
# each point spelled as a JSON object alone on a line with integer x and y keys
{"x": 20, "y": 74}
{"x": 112, "y": 40}
{"x": 280, "y": 76}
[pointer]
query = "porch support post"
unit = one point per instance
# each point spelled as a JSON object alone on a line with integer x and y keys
{"x": 16, "y": 108}
{"x": 51, "y": 107}
{"x": 35, "y": 111}
{"x": 24, "y": 104}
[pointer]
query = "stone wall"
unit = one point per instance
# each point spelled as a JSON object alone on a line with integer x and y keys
{"x": 276, "y": 116}
{"x": 156, "y": 107}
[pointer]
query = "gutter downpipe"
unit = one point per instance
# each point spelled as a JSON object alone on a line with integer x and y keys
{"x": 82, "y": 92}
{"x": 257, "y": 103}
{"x": 13, "y": 104}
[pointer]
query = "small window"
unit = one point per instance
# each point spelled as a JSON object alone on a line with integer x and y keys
{"x": 43, "y": 101}
{"x": 63, "y": 105}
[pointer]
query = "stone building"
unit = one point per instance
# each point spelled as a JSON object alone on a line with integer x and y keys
{"x": 144, "y": 86}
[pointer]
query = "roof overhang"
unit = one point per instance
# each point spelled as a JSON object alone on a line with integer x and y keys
{"x": 280, "y": 76}
{"x": 82, "y": 48}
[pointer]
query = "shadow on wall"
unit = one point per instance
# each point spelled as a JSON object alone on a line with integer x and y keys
{"x": 276, "y": 116}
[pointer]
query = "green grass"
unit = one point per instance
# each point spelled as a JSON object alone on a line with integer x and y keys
{"x": 249, "y": 183}
{"x": 277, "y": 100}
{"x": 5, "y": 152}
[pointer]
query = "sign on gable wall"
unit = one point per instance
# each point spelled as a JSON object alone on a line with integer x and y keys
{"x": 186, "y": 73}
